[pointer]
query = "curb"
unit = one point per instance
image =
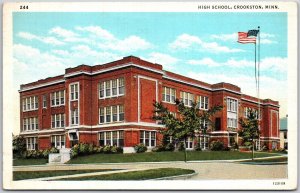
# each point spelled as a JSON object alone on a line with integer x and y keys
{"x": 185, "y": 176}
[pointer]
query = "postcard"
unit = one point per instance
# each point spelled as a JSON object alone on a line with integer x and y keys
{"x": 150, "y": 95}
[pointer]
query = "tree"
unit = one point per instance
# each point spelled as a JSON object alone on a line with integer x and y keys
{"x": 185, "y": 125}
{"x": 19, "y": 145}
{"x": 249, "y": 129}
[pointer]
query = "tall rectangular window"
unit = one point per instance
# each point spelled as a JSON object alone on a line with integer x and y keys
{"x": 101, "y": 90}
{"x": 32, "y": 102}
{"x": 74, "y": 92}
{"x": 115, "y": 113}
{"x": 58, "y": 141}
{"x": 115, "y": 138}
{"x": 24, "y": 104}
{"x": 53, "y": 121}
{"x": 101, "y": 115}
{"x": 114, "y": 87}
{"x": 101, "y": 139}
{"x": 191, "y": 99}
{"x": 53, "y": 99}
{"x": 62, "y": 97}
{"x": 108, "y": 138}
{"x": 58, "y": 120}
{"x": 108, "y": 88}
{"x": 187, "y": 98}
{"x": 121, "y": 113}
{"x": 173, "y": 95}
{"x": 74, "y": 117}
{"x": 203, "y": 102}
{"x": 58, "y": 98}
{"x": 31, "y": 143}
{"x": 44, "y": 101}
{"x": 36, "y": 102}
{"x": 121, "y": 86}
{"x": 108, "y": 114}
{"x": 231, "y": 105}
{"x": 121, "y": 138}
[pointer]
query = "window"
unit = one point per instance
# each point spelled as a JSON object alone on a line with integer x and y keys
{"x": 74, "y": 91}
{"x": 121, "y": 113}
{"x": 101, "y": 115}
{"x": 232, "y": 123}
{"x": 115, "y": 113}
{"x": 108, "y": 89}
{"x": 30, "y": 124}
{"x": 31, "y": 143}
{"x": 148, "y": 138}
{"x": 44, "y": 101}
{"x": 74, "y": 117}
{"x": 189, "y": 143}
{"x": 121, "y": 86}
{"x": 111, "y": 88}
{"x": 58, "y": 141}
{"x": 187, "y": 98}
{"x": 108, "y": 114}
{"x": 169, "y": 95}
{"x": 57, "y": 98}
{"x": 231, "y": 105}
{"x": 203, "y": 141}
{"x": 115, "y": 138}
{"x": 114, "y": 87}
{"x": 101, "y": 90}
{"x": 246, "y": 112}
{"x": 30, "y": 103}
{"x": 111, "y": 114}
{"x": 204, "y": 124}
{"x": 202, "y": 102}
{"x": 58, "y": 120}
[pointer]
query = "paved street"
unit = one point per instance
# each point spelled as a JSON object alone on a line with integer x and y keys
{"x": 205, "y": 170}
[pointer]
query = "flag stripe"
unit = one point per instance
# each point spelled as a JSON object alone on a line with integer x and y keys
{"x": 244, "y": 39}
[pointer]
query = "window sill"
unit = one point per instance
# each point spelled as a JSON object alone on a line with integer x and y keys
{"x": 56, "y": 106}
{"x": 115, "y": 96}
{"x": 30, "y": 110}
{"x": 111, "y": 123}
{"x": 169, "y": 102}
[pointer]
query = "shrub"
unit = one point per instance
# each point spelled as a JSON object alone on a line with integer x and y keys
{"x": 113, "y": 149}
{"x": 140, "y": 148}
{"x": 90, "y": 148}
{"x": 198, "y": 147}
{"x": 74, "y": 151}
{"x": 19, "y": 146}
{"x": 99, "y": 149}
{"x": 53, "y": 150}
{"x": 169, "y": 147}
{"x": 45, "y": 153}
{"x": 216, "y": 146}
{"x": 107, "y": 149}
{"x": 181, "y": 146}
{"x": 83, "y": 149}
{"x": 226, "y": 149}
{"x": 235, "y": 146}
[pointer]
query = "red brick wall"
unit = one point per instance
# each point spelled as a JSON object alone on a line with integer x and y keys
{"x": 44, "y": 142}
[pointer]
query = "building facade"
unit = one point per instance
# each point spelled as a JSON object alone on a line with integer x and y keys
{"x": 112, "y": 104}
{"x": 284, "y": 133}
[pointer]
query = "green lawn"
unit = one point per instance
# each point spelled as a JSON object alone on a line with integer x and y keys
{"x": 22, "y": 161}
{"x": 22, "y": 175}
{"x": 268, "y": 160}
{"x": 165, "y": 156}
{"x": 137, "y": 175}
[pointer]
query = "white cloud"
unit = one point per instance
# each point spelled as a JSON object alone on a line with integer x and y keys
{"x": 277, "y": 64}
{"x": 46, "y": 40}
{"x": 166, "y": 60}
{"x": 62, "y": 32}
{"x": 269, "y": 87}
{"x": 98, "y": 31}
{"x": 225, "y": 37}
{"x": 186, "y": 41}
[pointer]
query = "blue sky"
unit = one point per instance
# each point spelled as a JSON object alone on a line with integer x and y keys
{"x": 199, "y": 45}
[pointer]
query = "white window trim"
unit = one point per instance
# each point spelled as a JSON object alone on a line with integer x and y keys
{"x": 60, "y": 120}
{"x": 164, "y": 99}
{"x": 111, "y": 137}
{"x": 144, "y": 138}
{"x": 59, "y": 98}
{"x": 28, "y": 124}
{"x": 188, "y": 98}
{"x": 58, "y": 138}
{"x": 29, "y": 145}
{"x": 111, "y": 115}
{"x": 70, "y": 118}
{"x": 29, "y": 102}
{"x": 111, "y": 93}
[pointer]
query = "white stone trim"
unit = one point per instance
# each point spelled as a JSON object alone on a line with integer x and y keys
{"x": 42, "y": 85}
{"x": 116, "y": 124}
{"x": 42, "y": 131}
{"x": 78, "y": 100}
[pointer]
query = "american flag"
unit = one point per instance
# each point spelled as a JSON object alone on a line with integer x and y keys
{"x": 244, "y": 39}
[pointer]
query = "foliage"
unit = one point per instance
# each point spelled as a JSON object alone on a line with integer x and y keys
{"x": 235, "y": 146}
{"x": 19, "y": 145}
{"x": 187, "y": 124}
{"x": 106, "y": 149}
{"x": 216, "y": 146}
{"x": 250, "y": 130}
{"x": 82, "y": 149}
{"x": 197, "y": 147}
{"x": 181, "y": 146}
{"x": 158, "y": 148}
{"x": 35, "y": 154}
{"x": 170, "y": 147}
{"x": 140, "y": 148}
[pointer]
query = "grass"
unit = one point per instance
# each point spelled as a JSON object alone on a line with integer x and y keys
{"x": 137, "y": 175}
{"x": 165, "y": 156}
{"x": 22, "y": 175}
{"x": 23, "y": 161}
{"x": 268, "y": 160}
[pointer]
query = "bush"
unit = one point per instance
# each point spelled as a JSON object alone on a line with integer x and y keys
{"x": 181, "y": 146}
{"x": 226, "y": 149}
{"x": 45, "y": 153}
{"x": 169, "y": 147}
{"x": 119, "y": 150}
{"x": 107, "y": 149}
{"x": 74, "y": 151}
{"x": 216, "y": 146}
{"x": 197, "y": 147}
{"x": 83, "y": 149}
{"x": 53, "y": 150}
{"x": 140, "y": 148}
{"x": 90, "y": 148}
{"x": 158, "y": 148}
{"x": 19, "y": 146}
{"x": 235, "y": 146}
{"x": 113, "y": 149}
